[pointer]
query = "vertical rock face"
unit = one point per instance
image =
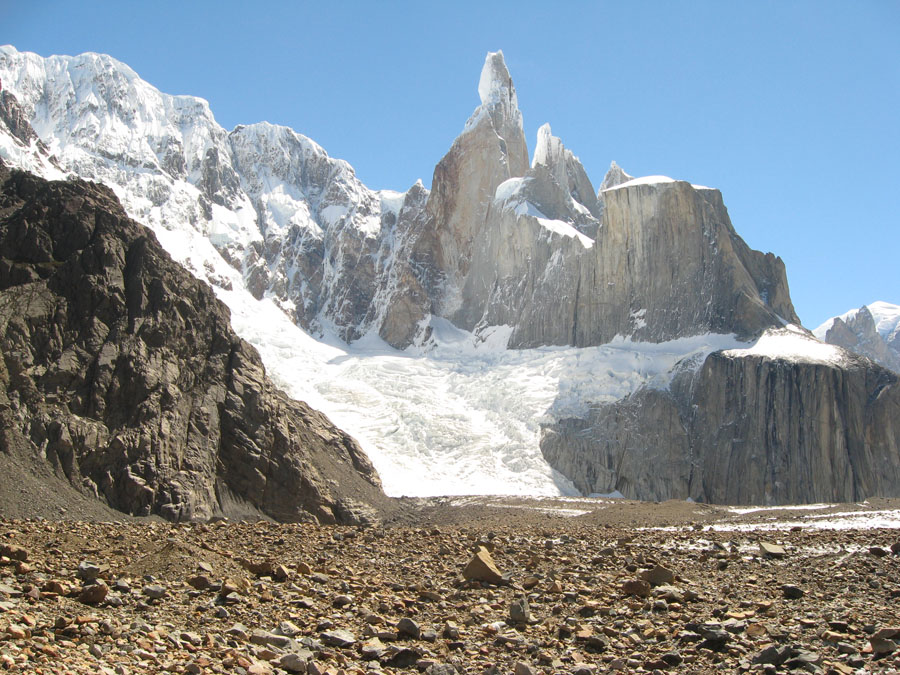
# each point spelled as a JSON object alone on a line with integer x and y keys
{"x": 670, "y": 264}
{"x": 665, "y": 263}
{"x": 490, "y": 150}
{"x": 121, "y": 371}
{"x": 742, "y": 430}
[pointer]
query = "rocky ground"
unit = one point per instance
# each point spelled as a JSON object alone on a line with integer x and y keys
{"x": 457, "y": 586}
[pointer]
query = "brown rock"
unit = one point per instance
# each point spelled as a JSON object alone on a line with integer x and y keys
{"x": 13, "y": 552}
{"x": 637, "y": 587}
{"x": 94, "y": 593}
{"x": 482, "y": 568}
{"x": 658, "y": 576}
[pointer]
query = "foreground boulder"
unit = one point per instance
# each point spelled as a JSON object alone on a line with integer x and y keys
{"x": 122, "y": 373}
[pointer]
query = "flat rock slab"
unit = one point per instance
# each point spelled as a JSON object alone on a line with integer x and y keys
{"x": 771, "y": 550}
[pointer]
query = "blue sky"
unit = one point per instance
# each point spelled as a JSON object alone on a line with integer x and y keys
{"x": 792, "y": 109}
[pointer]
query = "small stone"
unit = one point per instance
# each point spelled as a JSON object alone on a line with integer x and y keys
{"x": 94, "y": 593}
{"x": 440, "y": 669}
{"x": 338, "y": 638}
{"x": 88, "y": 571}
{"x": 17, "y": 632}
{"x": 55, "y": 586}
{"x": 520, "y": 611}
{"x": 522, "y": 668}
{"x": 637, "y": 587}
{"x": 772, "y": 655}
{"x": 294, "y": 662}
{"x": 878, "y": 552}
{"x": 13, "y": 552}
{"x": 802, "y": 658}
{"x": 342, "y": 601}
{"x": 482, "y": 568}
{"x": 238, "y": 631}
{"x": 371, "y": 650}
{"x": 402, "y": 658}
{"x": 201, "y": 582}
{"x": 154, "y": 591}
{"x": 792, "y": 592}
{"x": 887, "y": 633}
{"x": 672, "y": 659}
{"x": 289, "y": 629}
{"x": 770, "y": 550}
{"x": 882, "y": 646}
{"x": 408, "y": 627}
{"x": 658, "y": 576}
{"x": 264, "y": 637}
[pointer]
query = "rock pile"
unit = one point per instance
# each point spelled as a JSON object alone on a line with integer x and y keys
{"x": 260, "y": 598}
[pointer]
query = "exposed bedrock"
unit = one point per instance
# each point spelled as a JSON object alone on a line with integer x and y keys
{"x": 742, "y": 430}
{"x": 120, "y": 370}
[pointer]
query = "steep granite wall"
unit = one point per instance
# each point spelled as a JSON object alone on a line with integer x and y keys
{"x": 744, "y": 429}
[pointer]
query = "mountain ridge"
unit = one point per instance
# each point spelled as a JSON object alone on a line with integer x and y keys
{"x": 508, "y": 252}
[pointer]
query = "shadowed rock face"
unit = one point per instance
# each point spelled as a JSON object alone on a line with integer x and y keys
{"x": 122, "y": 372}
{"x": 742, "y": 430}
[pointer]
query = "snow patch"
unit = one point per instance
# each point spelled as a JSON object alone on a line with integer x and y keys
{"x": 652, "y": 180}
{"x": 791, "y": 344}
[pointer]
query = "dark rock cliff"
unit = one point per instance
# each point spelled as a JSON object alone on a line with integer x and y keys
{"x": 121, "y": 371}
{"x": 742, "y": 430}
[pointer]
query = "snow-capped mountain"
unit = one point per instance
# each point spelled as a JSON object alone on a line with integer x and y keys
{"x": 297, "y": 224}
{"x": 873, "y": 330}
{"x": 628, "y": 336}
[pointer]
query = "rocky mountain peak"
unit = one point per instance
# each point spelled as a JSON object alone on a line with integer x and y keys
{"x": 500, "y": 105}
{"x": 615, "y": 176}
{"x": 495, "y": 84}
{"x": 565, "y": 168}
{"x": 872, "y": 330}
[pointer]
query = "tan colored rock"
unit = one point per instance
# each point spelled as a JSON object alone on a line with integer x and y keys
{"x": 771, "y": 550}
{"x": 482, "y": 568}
{"x": 658, "y": 576}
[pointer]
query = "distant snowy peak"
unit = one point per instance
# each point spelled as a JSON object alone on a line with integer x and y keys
{"x": 294, "y": 224}
{"x": 885, "y": 315}
{"x": 873, "y": 330}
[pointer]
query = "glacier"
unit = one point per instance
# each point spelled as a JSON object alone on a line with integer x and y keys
{"x": 307, "y": 259}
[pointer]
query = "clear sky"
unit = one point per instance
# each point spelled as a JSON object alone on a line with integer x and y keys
{"x": 792, "y": 109}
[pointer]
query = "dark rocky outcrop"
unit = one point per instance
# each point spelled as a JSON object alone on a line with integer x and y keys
{"x": 120, "y": 371}
{"x": 742, "y": 430}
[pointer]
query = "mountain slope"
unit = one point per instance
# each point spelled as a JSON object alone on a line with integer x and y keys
{"x": 526, "y": 304}
{"x": 121, "y": 371}
{"x": 872, "y": 330}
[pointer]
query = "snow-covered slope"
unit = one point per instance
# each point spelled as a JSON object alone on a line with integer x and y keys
{"x": 321, "y": 273}
{"x": 294, "y": 221}
{"x": 873, "y": 330}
